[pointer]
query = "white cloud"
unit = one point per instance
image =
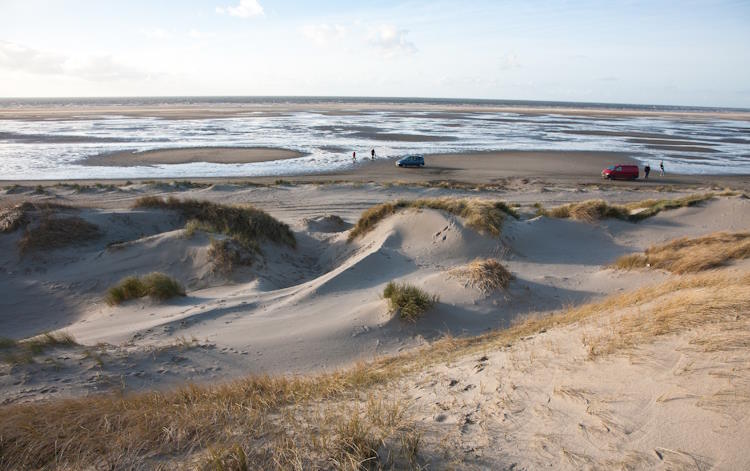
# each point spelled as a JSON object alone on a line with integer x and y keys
{"x": 244, "y": 9}
{"x": 509, "y": 61}
{"x": 325, "y": 33}
{"x": 195, "y": 34}
{"x": 156, "y": 33}
{"x": 18, "y": 58}
{"x": 391, "y": 40}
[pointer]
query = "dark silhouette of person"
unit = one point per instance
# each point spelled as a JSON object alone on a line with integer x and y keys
{"x": 372, "y": 153}
{"x": 354, "y": 156}
{"x": 661, "y": 166}
{"x": 647, "y": 170}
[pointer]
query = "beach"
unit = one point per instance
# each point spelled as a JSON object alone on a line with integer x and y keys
{"x": 267, "y": 294}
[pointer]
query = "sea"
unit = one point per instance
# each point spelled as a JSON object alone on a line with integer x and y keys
{"x": 707, "y": 141}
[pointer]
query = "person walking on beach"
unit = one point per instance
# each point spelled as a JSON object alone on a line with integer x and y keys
{"x": 661, "y": 166}
{"x": 354, "y": 157}
{"x": 647, "y": 170}
{"x": 372, "y": 154}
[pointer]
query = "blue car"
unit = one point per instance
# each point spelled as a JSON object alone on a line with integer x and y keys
{"x": 411, "y": 161}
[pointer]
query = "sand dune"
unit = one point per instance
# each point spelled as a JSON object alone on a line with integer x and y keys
{"x": 558, "y": 397}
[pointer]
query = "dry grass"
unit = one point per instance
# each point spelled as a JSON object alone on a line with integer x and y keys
{"x": 593, "y": 210}
{"x": 323, "y": 421}
{"x": 227, "y": 254}
{"x": 686, "y": 255}
{"x": 155, "y": 285}
{"x": 482, "y": 215}
{"x": 248, "y": 225}
{"x": 485, "y": 274}
{"x": 723, "y": 300}
{"x": 408, "y": 301}
{"x": 58, "y": 232}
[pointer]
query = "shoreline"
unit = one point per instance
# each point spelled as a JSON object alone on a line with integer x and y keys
{"x": 570, "y": 167}
{"x": 206, "y": 111}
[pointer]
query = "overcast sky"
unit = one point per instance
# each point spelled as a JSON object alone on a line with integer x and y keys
{"x": 670, "y": 52}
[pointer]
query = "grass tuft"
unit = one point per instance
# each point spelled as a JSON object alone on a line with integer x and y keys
{"x": 156, "y": 285}
{"x": 482, "y": 215}
{"x": 410, "y": 302}
{"x": 248, "y": 225}
{"x": 23, "y": 351}
{"x": 485, "y": 274}
{"x": 226, "y": 254}
{"x": 686, "y": 255}
{"x": 58, "y": 232}
{"x": 594, "y": 210}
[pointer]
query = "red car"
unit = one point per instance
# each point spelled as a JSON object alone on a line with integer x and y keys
{"x": 621, "y": 172}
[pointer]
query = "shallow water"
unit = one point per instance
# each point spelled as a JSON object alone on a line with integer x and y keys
{"x": 51, "y": 149}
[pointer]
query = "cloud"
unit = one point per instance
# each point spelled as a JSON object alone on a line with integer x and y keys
{"x": 509, "y": 61}
{"x": 17, "y": 57}
{"x": 195, "y": 34}
{"x": 391, "y": 41}
{"x": 244, "y": 9}
{"x": 156, "y": 33}
{"x": 325, "y": 33}
{"x": 20, "y": 58}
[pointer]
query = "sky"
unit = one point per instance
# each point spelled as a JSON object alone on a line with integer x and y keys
{"x": 651, "y": 52}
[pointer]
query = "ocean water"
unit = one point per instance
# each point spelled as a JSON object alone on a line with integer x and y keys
{"x": 52, "y": 149}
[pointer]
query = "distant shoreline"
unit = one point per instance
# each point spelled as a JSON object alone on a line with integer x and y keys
{"x": 204, "y": 108}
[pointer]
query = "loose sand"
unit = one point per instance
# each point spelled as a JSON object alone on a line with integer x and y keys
{"x": 318, "y": 307}
{"x": 218, "y": 155}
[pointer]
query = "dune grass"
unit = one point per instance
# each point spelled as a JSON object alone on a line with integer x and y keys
{"x": 593, "y": 210}
{"x": 58, "y": 232}
{"x": 482, "y": 215}
{"x": 226, "y": 255}
{"x": 155, "y": 285}
{"x": 246, "y": 224}
{"x": 408, "y": 301}
{"x": 690, "y": 255}
{"x": 485, "y": 274}
{"x": 15, "y": 352}
{"x": 330, "y": 420}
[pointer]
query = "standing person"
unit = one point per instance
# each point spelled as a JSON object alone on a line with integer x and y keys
{"x": 661, "y": 166}
{"x": 354, "y": 157}
{"x": 372, "y": 154}
{"x": 647, "y": 170}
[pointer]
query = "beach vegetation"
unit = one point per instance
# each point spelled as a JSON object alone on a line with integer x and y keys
{"x": 487, "y": 274}
{"x": 246, "y": 224}
{"x": 58, "y": 232}
{"x": 408, "y": 301}
{"x": 593, "y": 210}
{"x": 19, "y": 352}
{"x": 227, "y": 254}
{"x": 483, "y": 215}
{"x": 690, "y": 255}
{"x": 155, "y": 285}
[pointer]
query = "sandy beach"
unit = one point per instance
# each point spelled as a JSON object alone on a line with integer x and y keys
{"x": 218, "y": 155}
{"x": 540, "y": 347}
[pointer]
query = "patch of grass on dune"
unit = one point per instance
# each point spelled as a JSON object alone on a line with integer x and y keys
{"x": 58, "y": 232}
{"x": 16, "y": 352}
{"x": 155, "y": 285}
{"x": 485, "y": 274}
{"x": 246, "y": 224}
{"x": 410, "y": 302}
{"x": 690, "y": 255}
{"x": 330, "y": 420}
{"x": 593, "y": 210}
{"x": 482, "y": 215}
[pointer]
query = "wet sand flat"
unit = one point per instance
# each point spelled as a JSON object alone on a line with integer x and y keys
{"x": 219, "y": 155}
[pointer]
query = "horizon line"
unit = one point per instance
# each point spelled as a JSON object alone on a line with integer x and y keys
{"x": 380, "y": 98}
